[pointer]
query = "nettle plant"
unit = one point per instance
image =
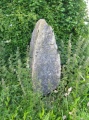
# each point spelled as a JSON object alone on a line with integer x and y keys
{"x": 70, "y": 100}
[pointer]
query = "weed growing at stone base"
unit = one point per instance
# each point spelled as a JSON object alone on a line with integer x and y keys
{"x": 70, "y": 101}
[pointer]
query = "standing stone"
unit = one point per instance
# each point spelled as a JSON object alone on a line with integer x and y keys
{"x": 44, "y": 58}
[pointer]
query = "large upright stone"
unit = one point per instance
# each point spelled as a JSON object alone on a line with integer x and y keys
{"x": 45, "y": 60}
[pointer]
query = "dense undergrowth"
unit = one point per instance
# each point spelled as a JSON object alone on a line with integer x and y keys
{"x": 70, "y": 101}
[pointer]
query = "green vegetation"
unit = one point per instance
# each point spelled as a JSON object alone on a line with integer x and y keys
{"x": 18, "y": 17}
{"x": 71, "y": 99}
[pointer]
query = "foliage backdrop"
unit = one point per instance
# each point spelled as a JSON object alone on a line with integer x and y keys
{"x": 18, "y": 18}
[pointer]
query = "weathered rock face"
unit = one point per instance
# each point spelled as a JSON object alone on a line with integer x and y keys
{"x": 45, "y": 60}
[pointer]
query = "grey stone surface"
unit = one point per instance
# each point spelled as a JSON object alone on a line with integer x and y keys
{"x": 44, "y": 58}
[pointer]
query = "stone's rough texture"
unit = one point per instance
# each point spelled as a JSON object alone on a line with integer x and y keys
{"x": 45, "y": 60}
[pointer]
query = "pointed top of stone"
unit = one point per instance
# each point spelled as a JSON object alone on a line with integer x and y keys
{"x": 40, "y": 24}
{"x": 41, "y": 21}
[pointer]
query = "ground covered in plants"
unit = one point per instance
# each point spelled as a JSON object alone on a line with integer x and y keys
{"x": 70, "y": 101}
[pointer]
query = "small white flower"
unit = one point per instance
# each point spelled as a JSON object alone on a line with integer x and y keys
{"x": 14, "y": 70}
{"x": 8, "y": 41}
{"x": 66, "y": 94}
{"x": 64, "y": 117}
{"x": 55, "y": 91}
{"x": 10, "y": 25}
{"x": 70, "y": 89}
{"x": 85, "y": 23}
{"x": 70, "y": 113}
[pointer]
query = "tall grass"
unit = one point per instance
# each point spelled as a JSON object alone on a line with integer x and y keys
{"x": 70, "y": 101}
